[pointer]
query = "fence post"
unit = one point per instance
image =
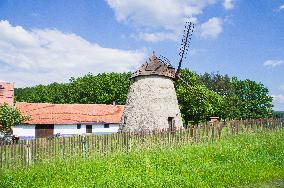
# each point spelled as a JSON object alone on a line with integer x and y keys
{"x": 181, "y": 132}
{"x": 219, "y": 129}
{"x": 193, "y": 133}
{"x": 212, "y": 136}
{"x": 198, "y": 132}
{"x": 28, "y": 153}
{"x": 1, "y": 153}
{"x": 84, "y": 146}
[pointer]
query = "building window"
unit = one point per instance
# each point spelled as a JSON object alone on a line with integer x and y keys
{"x": 78, "y": 126}
{"x": 88, "y": 128}
{"x": 106, "y": 125}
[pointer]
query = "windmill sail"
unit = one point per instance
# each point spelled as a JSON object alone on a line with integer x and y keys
{"x": 189, "y": 28}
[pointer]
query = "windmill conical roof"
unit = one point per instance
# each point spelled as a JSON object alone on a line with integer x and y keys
{"x": 154, "y": 66}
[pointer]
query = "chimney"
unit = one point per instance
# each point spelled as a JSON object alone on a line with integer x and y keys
{"x": 6, "y": 93}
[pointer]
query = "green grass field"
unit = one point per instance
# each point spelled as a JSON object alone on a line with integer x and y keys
{"x": 246, "y": 159}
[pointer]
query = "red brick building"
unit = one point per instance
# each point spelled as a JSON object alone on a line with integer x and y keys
{"x": 6, "y": 93}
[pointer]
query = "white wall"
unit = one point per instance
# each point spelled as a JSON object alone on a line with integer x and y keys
{"x": 72, "y": 129}
{"x": 113, "y": 128}
{"x": 69, "y": 129}
{"x": 29, "y": 130}
{"x": 24, "y": 130}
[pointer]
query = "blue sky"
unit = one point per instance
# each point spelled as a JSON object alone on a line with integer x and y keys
{"x": 46, "y": 41}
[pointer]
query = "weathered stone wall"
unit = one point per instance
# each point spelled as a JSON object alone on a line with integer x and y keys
{"x": 151, "y": 100}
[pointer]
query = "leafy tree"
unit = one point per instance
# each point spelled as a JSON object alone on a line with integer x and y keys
{"x": 231, "y": 109}
{"x": 221, "y": 84}
{"x": 278, "y": 114}
{"x": 10, "y": 116}
{"x": 242, "y": 99}
{"x": 197, "y": 102}
{"x": 254, "y": 97}
{"x": 104, "y": 88}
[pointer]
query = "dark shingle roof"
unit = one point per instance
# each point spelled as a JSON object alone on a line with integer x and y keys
{"x": 155, "y": 67}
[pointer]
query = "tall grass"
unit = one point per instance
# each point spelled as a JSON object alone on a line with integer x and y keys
{"x": 242, "y": 160}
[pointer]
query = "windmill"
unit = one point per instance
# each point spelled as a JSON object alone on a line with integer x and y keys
{"x": 152, "y": 102}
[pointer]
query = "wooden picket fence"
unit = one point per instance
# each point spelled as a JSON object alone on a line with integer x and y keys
{"x": 27, "y": 152}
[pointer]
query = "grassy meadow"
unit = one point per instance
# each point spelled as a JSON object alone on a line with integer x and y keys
{"x": 246, "y": 159}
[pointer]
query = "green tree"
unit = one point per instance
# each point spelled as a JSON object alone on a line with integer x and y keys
{"x": 10, "y": 116}
{"x": 242, "y": 99}
{"x": 218, "y": 83}
{"x": 278, "y": 114}
{"x": 222, "y": 85}
{"x": 197, "y": 102}
{"x": 104, "y": 88}
{"x": 255, "y": 99}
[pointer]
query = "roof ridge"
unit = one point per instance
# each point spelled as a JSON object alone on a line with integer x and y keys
{"x": 155, "y": 67}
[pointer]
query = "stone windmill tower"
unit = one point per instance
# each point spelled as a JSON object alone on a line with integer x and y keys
{"x": 152, "y": 101}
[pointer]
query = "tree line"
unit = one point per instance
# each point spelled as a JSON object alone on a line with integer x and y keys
{"x": 207, "y": 94}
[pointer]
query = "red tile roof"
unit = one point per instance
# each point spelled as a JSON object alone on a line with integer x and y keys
{"x": 46, "y": 113}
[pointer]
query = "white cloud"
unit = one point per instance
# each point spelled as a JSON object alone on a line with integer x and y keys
{"x": 165, "y": 13}
{"x": 158, "y": 36}
{"x": 272, "y": 63}
{"x": 212, "y": 28}
{"x": 45, "y": 55}
{"x": 281, "y": 87}
{"x": 228, "y": 4}
{"x": 280, "y": 8}
{"x": 278, "y": 102}
{"x": 170, "y": 35}
{"x": 158, "y": 20}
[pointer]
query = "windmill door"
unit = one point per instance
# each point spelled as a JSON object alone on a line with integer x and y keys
{"x": 171, "y": 122}
{"x": 44, "y": 131}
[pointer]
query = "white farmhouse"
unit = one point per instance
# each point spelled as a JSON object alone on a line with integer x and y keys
{"x": 62, "y": 119}
{"x": 67, "y": 119}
